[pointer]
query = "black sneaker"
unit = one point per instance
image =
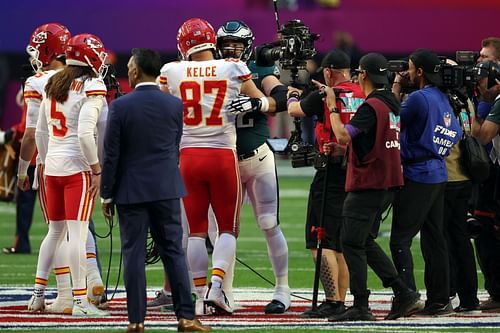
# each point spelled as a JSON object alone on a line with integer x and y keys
{"x": 465, "y": 309}
{"x": 325, "y": 310}
{"x": 275, "y": 307}
{"x": 436, "y": 309}
{"x": 405, "y": 305}
{"x": 490, "y": 305}
{"x": 353, "y": 313}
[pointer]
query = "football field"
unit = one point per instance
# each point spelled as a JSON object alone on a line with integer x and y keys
{"x": 252, "y": 292}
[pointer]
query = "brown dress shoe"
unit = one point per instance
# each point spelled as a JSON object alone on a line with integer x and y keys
{"x": 186, "y": 325}
{"x": 135, "y": 327}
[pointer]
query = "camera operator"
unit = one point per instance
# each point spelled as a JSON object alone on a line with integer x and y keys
{"x": 458, "y": 191}
{"x": 334, "y": 274}
{"x": 490, "y": 51}
{"x": 373, "y": 173}
{"x": 487, "y": 208}
{"x": 429, "y": 130}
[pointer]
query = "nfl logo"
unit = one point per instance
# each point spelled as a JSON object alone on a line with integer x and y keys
{"x": 447, "y": 119}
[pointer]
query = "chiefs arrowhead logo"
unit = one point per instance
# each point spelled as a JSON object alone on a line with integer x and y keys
{"x": 93, "y": 43}
{"x": 40, "y": 37}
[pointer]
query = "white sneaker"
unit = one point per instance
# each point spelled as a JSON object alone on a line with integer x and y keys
{"x": 216, "y": 301}
{"x": 161, "y": 299}
{"x": 85, "y": 309}
{"x": 94, "y": 293}
{"x": 36, "y": 303}
{"x": 60, "y": 305}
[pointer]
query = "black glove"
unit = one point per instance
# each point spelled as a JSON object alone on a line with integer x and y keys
{"x": 244, "y": 103}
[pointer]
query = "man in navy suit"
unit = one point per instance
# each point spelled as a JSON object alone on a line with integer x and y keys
{"x": 141, "y": 176}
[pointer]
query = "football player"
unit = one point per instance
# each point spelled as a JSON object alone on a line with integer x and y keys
{"x": 46, "y": 50}
{"x": 208, "y": 160}
{"x": 256, "y": 160}
{"x": 65, "y": 138}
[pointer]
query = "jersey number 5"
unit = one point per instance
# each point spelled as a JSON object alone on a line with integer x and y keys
{"x": 193, "y": 112}
{"x": 57, "y": 115}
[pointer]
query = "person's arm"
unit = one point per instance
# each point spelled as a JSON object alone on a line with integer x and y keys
{"x": 111, "y": 158}
{"x": 486, "y": 131}
{"x": 42, "y": 133}
{"x": 258, "y": 101}
{"x": 309, "y": 106}
{"x": 87, "y": 122}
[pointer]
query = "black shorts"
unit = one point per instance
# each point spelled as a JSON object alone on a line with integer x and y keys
{"x": 335, "y": 196}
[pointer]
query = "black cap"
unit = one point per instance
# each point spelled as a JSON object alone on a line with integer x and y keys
{"x": 375, "y": 66}
{"x": 430, "y": 64}
{"x": 336, "y": 59}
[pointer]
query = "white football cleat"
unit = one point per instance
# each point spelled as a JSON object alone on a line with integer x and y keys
{"x": 85, "y": 309}
{"x": 60, "y": 305}
{"x": 94, "y": 293}
{"x": 36, "y": 303}
{"x": 216, "y": 301}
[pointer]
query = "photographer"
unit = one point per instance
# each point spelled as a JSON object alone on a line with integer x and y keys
{"x": 486, "y": 127}
{"x": 334, "y": 274}
{"x": 429, "y": 130}
{"x": 373, "y": 175}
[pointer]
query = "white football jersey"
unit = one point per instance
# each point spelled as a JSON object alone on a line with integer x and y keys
{"x": 206, "y": 88}
{"x": 34, "y": 89}
{"x": 64, "y": 155}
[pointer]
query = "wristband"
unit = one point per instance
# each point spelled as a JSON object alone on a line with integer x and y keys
{"x": 96, "y": 173}
{"x": 265, "y": 104}
{"x": 334, "y": 110}
{"x": 291, "y": 100}
{"x": 293, "y": 94}
{"x": 23, "y": 168}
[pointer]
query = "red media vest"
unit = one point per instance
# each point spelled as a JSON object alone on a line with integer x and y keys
{"x": 350, "y": 103}
{"x": 381, "y": 167}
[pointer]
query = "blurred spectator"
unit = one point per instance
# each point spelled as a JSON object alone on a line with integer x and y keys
{"x": 344, "y": 41}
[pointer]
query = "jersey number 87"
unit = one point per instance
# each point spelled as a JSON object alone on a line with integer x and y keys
{"x": 193, "y": 112}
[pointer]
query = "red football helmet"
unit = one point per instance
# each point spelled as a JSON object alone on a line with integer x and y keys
{"x": 86, "y": 50}
{"x": 47, "y": 42}
{"x": 195, "y": 35}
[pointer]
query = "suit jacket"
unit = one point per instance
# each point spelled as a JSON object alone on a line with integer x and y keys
{"x": 141, "y": 147}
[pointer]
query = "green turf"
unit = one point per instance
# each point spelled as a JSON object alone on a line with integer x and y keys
{"x": 20, "y": 269}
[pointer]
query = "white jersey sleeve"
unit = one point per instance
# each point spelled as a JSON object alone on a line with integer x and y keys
{"x": 34, "y": 90}
{"x": 206, "y": 88}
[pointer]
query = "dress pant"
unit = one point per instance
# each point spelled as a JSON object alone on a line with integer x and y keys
{"x": 25, "y": 206}
{"x": 163, "y": 218}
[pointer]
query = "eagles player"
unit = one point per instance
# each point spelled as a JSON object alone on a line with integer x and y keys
{"x": 255, "y": 159}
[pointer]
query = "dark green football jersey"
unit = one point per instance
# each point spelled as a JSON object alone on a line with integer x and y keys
{"x": 252, "y": 129}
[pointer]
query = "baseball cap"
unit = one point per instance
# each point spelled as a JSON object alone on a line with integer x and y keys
{"x": 336, "y": 59}
{"x": 430, "y": 64}
{"x": 375, "y": 66}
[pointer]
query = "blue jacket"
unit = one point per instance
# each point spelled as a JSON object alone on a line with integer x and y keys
{"x": 429, "y": 130}
{"x": 141, "y": 147}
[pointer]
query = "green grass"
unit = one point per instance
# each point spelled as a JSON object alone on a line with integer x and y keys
{"x": 19, "y": 270}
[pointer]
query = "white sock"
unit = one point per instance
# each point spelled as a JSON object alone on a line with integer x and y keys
{"x": 277, "y": 250}
{"x": 62, "y": 271}
{"x": 55, "y": 234}
{"x": 224, "y": 253}
{"x": 198, "y": 263}
{"x": 93, "y": 274}
{"x": 78, "y": 231}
